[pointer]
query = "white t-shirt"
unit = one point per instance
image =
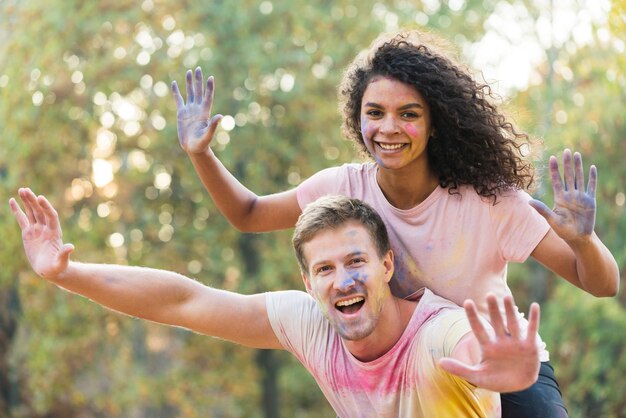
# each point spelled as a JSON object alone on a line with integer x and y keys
{"x": 457, "y": 245}
{"x": 405, "y": 382}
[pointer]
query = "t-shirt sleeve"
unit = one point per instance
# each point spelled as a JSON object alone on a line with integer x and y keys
{"x": 446, "y": 330}
{"x": 450, "y": 395}
{"x": 297, "y": 322}
{"x": 518, "y": 226}
{"x": 322, "y": 183}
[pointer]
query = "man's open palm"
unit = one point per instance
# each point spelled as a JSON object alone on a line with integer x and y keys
{"x": 41, "y": 234}
{"x": 509, "y": 359}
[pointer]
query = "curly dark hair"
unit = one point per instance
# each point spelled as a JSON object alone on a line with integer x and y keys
{"x": 473, "y": 143}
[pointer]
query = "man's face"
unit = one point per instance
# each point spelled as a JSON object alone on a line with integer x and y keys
{"x": 348, "y": 279}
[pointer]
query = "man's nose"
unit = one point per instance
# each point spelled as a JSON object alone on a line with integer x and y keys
{"x": 345, "y": 282}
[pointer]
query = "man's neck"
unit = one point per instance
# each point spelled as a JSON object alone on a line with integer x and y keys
{"x": 393, "y": 321}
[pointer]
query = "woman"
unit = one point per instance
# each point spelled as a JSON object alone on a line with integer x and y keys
{"x": 448, "y": 180}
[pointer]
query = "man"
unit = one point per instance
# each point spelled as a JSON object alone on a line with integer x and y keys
{"x": 371, "y": 353}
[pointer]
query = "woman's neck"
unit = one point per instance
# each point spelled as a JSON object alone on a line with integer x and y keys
{"x": 405, "y": 189}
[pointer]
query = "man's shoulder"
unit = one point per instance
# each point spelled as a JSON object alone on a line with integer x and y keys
{"x": 292, "y": 306}
{"x": 432, "y": 300}
{"x": 446, "y": 325}
{"x": 290, "y": 297}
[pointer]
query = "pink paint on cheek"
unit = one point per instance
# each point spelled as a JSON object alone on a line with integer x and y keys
{"x": 410, "y": 129}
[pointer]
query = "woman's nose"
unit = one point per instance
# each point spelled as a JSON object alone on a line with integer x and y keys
{"x": 389, "y": 126}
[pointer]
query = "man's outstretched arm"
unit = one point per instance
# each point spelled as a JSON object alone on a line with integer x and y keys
{"x": 501, "y": 359}
{"x": 156, "y": 295}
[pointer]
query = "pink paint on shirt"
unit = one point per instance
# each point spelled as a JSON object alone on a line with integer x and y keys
{"x": 404, "y": 382}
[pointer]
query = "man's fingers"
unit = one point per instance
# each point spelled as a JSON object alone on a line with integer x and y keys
{"x": 593, "y": 179}
{"x": 30, "y": 202}
{"x": 20, "y": 216}
{"x": 189, "y": 85}
{"x": 511, "y": 317}
{"x": 23, "y": 193}
{"x": 568, "y": 171}
{"x": 477, "y": 326}
{"x": 66, "y": 250}
{"x": 457, "y": 368}
{"x": 495, "y": 316}
{"x": 579, "y": 174}
{"x": 533, "y": 321}
{"x": 178, "y": 99}
{"x": 52, "y": 217}
{"x": 198, "y": 84}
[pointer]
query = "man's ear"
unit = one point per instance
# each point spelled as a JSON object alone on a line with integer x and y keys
{"x": 388, "y": 265}
{"x": 307, "y": 284}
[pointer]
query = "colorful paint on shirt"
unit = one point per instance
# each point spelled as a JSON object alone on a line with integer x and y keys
{"x": 404, "y": 382}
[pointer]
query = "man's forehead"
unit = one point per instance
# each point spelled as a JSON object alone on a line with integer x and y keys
{"x": 351, "y": 237}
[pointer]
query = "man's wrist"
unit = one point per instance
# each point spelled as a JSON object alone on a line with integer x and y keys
{"x": 63, "y": 275}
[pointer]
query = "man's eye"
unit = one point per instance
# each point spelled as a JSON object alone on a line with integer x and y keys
{"x": 323, "y": 269}
{"x": 357, "y": 261}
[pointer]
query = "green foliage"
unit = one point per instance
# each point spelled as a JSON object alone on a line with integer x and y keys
{"x": 84, "y": 93}
{"x": 587, "y": 339}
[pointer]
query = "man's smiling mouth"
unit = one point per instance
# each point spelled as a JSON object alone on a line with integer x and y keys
{"x": 350, "y": 306}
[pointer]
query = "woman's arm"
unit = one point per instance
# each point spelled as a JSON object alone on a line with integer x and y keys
{"x": 244, "y": 210}
{"x": 572, "y": 249}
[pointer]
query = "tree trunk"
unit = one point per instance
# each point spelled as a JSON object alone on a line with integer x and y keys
{"x": 9, "y": 312}
{"x": 266, "y": 360}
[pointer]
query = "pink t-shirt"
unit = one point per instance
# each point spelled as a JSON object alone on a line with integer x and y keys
{"x": 404, "y": 382}
{"x": 457, "y": 245}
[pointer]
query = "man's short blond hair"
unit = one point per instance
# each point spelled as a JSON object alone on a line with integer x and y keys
{"x": 332, "y": 212}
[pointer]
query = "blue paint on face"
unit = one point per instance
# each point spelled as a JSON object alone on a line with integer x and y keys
{"x": 369, "y": 144}
{"x": 353, "y": 279}
{"x": 357, "y": 277}
{"x": 349, "y": 282}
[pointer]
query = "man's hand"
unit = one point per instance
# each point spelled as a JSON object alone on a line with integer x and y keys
{"x": 509, "y": 360}
{"x": 574, "y": 214}
{"x": 195, "y": 125}
{"x": 41, "y": 234}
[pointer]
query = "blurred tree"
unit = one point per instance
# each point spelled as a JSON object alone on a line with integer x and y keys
{"x": 585, "y": 93}
{"x": 87, "y": 120}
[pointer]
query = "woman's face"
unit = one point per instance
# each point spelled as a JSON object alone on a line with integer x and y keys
{"x": 395, "y": 123}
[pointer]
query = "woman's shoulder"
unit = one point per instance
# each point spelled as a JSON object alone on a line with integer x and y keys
{"x": 349, "y": 169}
{"x": 508, "y": 195}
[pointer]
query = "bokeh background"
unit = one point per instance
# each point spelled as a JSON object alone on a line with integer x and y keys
{"x": 86, "y": 118}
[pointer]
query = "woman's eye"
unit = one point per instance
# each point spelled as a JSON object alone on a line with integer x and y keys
{"x": 410, "y": 115}
{"x": 374, "y": 113}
